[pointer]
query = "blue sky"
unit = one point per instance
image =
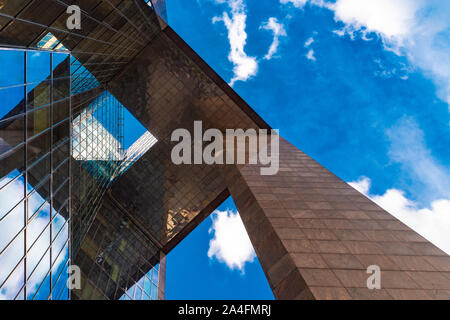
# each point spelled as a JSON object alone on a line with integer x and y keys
{"x": 361, "y": 86}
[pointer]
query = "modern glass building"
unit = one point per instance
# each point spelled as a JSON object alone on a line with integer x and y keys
{"x": 86, "y": 177}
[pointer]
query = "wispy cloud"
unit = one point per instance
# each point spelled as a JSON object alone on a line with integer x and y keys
{"x": 278, "y": 31}
{"x": 429, "y": 215}
{"x": 230, "y": 243}
{"x": 417, "y": 29}
{"x": 310, "y": 54}
{"x": 408, "y": 148}
{"x": 309, "y": 42}
{"x": 296, "y": 3}
{"x": 245, "y": 66}
{"x": 432, "y": 223}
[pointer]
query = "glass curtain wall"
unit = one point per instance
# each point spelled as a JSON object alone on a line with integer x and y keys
{"x": 61, "y": 133}
{"x": 34, "y": 174}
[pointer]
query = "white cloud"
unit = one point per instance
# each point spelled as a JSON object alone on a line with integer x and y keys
{"x": 402, "y": 71}
{"x": 431, "y": 180}
{"x": 12, "y": 224}
{"x": 278, "y": 31}
{"x": 362, "y": 185}
{"x": 309, "y": 42}
{"x": 230, "y": 244}
{"x": 245, "y": 67}
{"x": 432, "y": 223}
{"x": 391, "y": 18}
{"x": 310, "y": 55}
{"x": 429, "y": 215}
{"x": 417, "y": 29}
{"x": 296, "y": 3}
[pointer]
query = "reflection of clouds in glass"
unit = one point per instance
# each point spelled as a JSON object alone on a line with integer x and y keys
{"x": 38, "y": 242}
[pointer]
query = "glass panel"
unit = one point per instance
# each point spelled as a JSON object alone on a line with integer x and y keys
{"x": 12, "y": 71}
{"x": 11, "y": 101}
{"x": 38, "y": 66}
{"x": 138, "y": 294}
{"x": 37, "y": 258}
{"x": 11, "y": 192}
{"x": 11, "y": 133}
{"x": 14, "y": 284}
{"x": 61, "y": 239}
{"x": 9, "y": 260}
{"x": 38, "y": 147}
{"x": 40, "y": 291}
{"x": 11, "y": 225}
{"x": 40, "y": 95}
{"x": 60, "y": 111}
{"x": 38, "y": 121}
{"x": 38, "y": 198}
{"x": 10, "y": 161}
{"x": 61, "y": 132}
{"x": 38, "y": 224}
{"x": 61, "y": 89}
{"x": 61, "y": 154}
{"x": 145, "y": 286}
{"x": 60, "y": 274}
{"x": 61, "y": 65}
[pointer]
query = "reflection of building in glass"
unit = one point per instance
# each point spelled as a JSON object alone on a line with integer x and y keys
{"x": 62, "y": 142}
{"x": 86, "y": 177}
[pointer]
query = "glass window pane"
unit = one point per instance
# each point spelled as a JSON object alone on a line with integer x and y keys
{"x": 10, "y": 161}
{"x": 60, "y": 111}
{"x": 38, "y": 121}
{"x": 11, "y": 101}
{"x": 11, "y": 193}
{"x": 40, "y": 95}
{"x": 38, "y": 224}
{"x": 60, "y": 241}
{"x": 34, "y": 258}
{"x": 61, "y": 89}
{"x": 11, "y": 225}
{"x": 14, "y": 284}
{"x": 38, "y": 147}
{"x": 11, "y": 258}
{"x": 38, "y": 66}
{"x": 12, "y": 70}
{"x": 61, "y": 65}
{"x": 11, "y": 133}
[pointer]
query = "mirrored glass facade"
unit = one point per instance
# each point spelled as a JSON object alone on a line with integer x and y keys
{"x": 35, "y": 174}
{"x": 63, "y": 142}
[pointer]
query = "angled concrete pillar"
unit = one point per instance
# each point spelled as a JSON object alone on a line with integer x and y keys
{"x": 315, "y": 236}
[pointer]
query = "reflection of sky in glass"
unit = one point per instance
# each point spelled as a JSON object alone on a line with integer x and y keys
{"x": 12, "y": 74}
{"x": 136, "y": 141}
{"x": 145, "y": 289}
{"x": 82, "y": 79}
{"x": 38, "y": 242}
{"x": 95, "y": 134}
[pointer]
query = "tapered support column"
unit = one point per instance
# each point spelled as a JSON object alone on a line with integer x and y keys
{"x": 162, "y": 278}
{"x": 315, "y": 236}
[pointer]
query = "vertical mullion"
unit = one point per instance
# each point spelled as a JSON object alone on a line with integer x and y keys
{"x": 51, "y": 173}
{"x": 69, "y": 214}
{"x": 25, "y": 134}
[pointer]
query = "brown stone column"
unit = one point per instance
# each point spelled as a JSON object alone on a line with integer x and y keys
{"x": 162, "y": 278}
{"x": 315, "y": 236}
